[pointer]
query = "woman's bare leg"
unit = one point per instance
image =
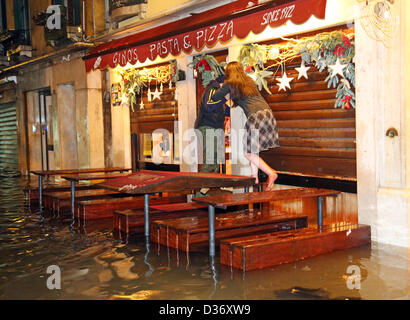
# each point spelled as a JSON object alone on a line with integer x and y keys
{"x": 254, "y": 172}
{"x": 258, "y": 162}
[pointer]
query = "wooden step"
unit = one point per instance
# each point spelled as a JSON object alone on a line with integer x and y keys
{"x": 182, "y": 206}
{"x": 270, "y": 249}
{"x": 60, "y": 202}
{"x": 132, "y": 221}
{"x": 182, "y": 233}
{"x": 87, "y": 210}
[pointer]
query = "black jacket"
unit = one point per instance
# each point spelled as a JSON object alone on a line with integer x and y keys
{"x": 211, "y": 113}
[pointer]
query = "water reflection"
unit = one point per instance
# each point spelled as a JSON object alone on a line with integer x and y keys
{"x": 97, "y": 264}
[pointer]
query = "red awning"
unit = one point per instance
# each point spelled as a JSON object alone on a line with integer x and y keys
{"x": 205, "y": 29}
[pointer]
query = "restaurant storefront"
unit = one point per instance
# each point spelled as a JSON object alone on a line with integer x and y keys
{"x": 328, "y": 110}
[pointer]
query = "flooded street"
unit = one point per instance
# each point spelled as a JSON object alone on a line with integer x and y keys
{"x": 96, "y": 266}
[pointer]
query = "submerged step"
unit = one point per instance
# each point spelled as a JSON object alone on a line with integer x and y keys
{"x": 182, "y": 233}
{"x": 132, "y": 221}
{"x": 94, "y": 209}
{"x": 270, "y": 249}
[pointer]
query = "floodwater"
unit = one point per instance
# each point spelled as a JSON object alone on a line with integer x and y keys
{"x": 96, "y": 266}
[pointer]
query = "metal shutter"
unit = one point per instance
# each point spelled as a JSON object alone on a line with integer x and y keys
{"x": 8, "y": 137}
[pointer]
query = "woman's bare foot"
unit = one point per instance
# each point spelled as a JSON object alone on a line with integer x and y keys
{"x": 271, "y": 181}
{"x": 256, "y": 180}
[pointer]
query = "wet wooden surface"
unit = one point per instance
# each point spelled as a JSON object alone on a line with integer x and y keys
{"x": 226, "y": 200}
{"x": 183, "y": 232}
{"x": 77, "y": 171}
{"x": 270, "y": 249}
{"x": 187, "y": 206}
{"x": 95, "y": 176}
{"x": 149, "y": 181}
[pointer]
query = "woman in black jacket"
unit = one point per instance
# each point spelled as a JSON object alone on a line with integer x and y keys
{"x": 242, "y": 90}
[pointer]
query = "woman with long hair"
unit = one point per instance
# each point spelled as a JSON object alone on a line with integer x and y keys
{"x": 260, "y": 128}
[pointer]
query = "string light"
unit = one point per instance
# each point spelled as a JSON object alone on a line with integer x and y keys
{"x": 379, "y": 20}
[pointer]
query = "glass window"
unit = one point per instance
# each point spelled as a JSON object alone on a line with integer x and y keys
{"x": 22, "y": 21}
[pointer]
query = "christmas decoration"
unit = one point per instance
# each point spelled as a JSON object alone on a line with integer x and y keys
{"x": 284, "y": 82}
{"x": 332, "y": 51}
{"x": 337, "y": 68}
{"x": 379, "y": 19}
{"x": 208, "y": 67}
{"x": 302, "y": 71}
{"x": 135, "y": 80}
{"x": 142, "y": 101}
{"x": 252, "y": 57}
{"x": 346, "y": 102}
{"x": 149, "y": 94}
{"x": 156, "y": 94}
{"x": 259, "y": 77}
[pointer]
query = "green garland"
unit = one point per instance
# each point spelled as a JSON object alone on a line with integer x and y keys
{"x": 252, "y": 57}
{"x": 134, "y": 82}
{"x": 208, "y": 67}
{"x": 323, "y": 50}
{"x": 133, "y": 85}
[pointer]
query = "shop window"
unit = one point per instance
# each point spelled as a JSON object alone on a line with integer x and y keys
{"x": 159, "y": 147}
{"x": 151, "y": 96}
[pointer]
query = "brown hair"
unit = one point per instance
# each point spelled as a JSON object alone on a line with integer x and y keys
{"x": 242, "y": 85}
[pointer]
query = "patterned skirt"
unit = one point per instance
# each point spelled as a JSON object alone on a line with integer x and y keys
{"x": 260, "y": 132}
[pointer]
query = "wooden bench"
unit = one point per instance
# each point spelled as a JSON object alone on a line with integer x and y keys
{"x": 224, "y": 201}
{"x": 183, "y": 233}
{"x": 32, "y": 192}
{"x": 46, "y": 173}
{"x": 270, "y": 249}
{"x": 60, "y": 202}
{"x": 132, "y": 221}
{"x": 87, "y": 210}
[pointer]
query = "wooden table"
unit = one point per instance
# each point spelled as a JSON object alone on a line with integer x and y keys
{"x": 91, "y": 176}
{"x": 42, "y": 173}
{"x": 148, "y": 182}
{"x": 226, "y": 200}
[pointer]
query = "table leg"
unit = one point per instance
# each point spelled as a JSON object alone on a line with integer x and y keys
{"x": 40, "y": 191}
{"x": 211, "y": 222}
{"x": 146, "y": 216}
{"x": 320, "y": 212}
{"x": 72, "y": 198}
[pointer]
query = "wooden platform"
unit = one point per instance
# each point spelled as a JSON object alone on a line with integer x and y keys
{"x": 270, "y": 249}
{"x": 87, "y": 210}
{"x": 132, "y": 221}
{"x": 182, "y": 233}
